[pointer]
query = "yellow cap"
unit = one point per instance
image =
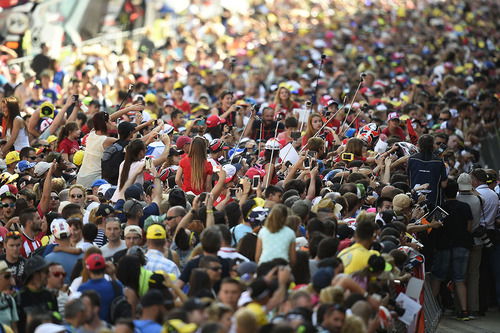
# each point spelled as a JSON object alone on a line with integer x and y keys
{"x": 78, "y": 157}
{"x": 51, "y": 139}
{"x": 178, "y": 85}
{"x": 150, "y": 98}
{"x": 12, "y": 157}
{"x": 156, "y": 231}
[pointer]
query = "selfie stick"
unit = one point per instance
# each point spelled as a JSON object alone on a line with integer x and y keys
{"x": 130, "y": 88}
{"x": 361, "y": 80}
{"x": 323, "y": 57}
{"x": 241, "y": 137}
{"x": 233, "y": 61}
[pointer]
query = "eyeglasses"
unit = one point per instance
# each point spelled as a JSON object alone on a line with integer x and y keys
{"x": 6, "y": 205}
{"x": 7, "y": 276}
{"x": 74, "y": 196}
{"x": 215, "y": 269}
{"x": 168, "y": 218}
{"x": 444, "y": 119}
{"x": 59, "y": 274}
{"x": 54, "y": 198}
{"x": 32, "y": 158}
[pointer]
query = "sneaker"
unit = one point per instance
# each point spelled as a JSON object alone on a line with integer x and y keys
{"x": 463, "y": 316}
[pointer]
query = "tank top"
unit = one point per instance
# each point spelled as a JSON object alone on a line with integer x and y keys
{"x": 93, "y": 154}
{"x": 22, "y": 139}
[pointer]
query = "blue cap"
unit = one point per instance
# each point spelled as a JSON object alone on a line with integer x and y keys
{"x": 134, "y": 192}
{"x": 98, "y": 182}
{"x": 25, "y": 165}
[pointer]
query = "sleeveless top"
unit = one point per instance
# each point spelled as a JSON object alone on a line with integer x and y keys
{"x": 93, "y": 154}
{"x": 22, "y": 139}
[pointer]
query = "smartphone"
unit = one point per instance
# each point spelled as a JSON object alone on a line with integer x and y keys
{"x": 75, "y": 98}
{"x": 307, "y": 163}
{"x": 148, "y": 163}
{"x": 295, "y": 135}
{"x": 255, "y": 182}
{"x": 288, "y": 164}
{"x": 232, "y": 192}
{"x": 312, "y": 153}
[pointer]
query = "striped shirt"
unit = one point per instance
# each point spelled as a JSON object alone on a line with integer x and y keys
{"x": 29, "y": 245}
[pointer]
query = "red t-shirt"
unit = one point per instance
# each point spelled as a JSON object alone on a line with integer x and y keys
{"x": 325, "y": 135}
{"x": 334, "y": 124}
{"x": 294, "y": 106}
{"x": 185, "y": 164}
{"x": 397, "y": 132}
{"x": 67, "y": 146}
{"x": 183, "y": 106}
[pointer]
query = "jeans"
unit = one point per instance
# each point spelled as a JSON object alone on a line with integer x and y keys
{"x": 452, "y": 261}
{"x": 495, "y": 268}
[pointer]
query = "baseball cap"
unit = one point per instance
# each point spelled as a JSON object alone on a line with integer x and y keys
{"x": 99, "y": 182}
{"x": 464, "y": 182}
{"x": 134, "y": 192}
{"x": 322, "y": 278}
{"x": 393, "y": 115}
{"x": 33, "y": 265}
{"x": 214, "y": 120}
{"x": 25, "y": 165}
{"x": 50, "y": 328}
{"x": 8, "y": 195}
{"x": 103, "y": 189}
{"x": 78, "y": 157}
{"x": 131, "y": 206}
{"x": 230, "y": 172}
{"x": 156, "y": 231}
{"x": 215, "y": 145}
{"x": 104, "y": 210}
{"x": 253, "y": 171}
{"x": 51, "y": 139}
{"x": 167, "y": 129}
{"x": 182, "y": 141}
{"x": 125, "y": 128}
{"x": 4, "y": 267}
{"x": 95, "y": 262}
{"x": 401, "y": 202}
{"x": 60, "y": 228}
{"x": 41, "y": 168}
{"x": 12, "y": 157}
{"x": 331, "y": 102}
{"x": 132, "y": 229}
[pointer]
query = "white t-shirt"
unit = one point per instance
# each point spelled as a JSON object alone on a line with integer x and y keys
{"x": 108, "y": 252}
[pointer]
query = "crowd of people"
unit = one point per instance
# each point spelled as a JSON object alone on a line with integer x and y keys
{"x": 292, "y": 169}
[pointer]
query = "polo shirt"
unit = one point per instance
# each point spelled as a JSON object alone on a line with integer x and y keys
{"x": 355, "y": 257}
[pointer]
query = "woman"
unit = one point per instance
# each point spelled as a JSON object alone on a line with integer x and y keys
{"x": 199, "y": 284}
{"x": 355, "y": 150}
{"x": 13, "y": 126}
{"x": 195, "y": 172}
{"x": 314, "y": 123}
{"x": 135, "y": 278}
{"x": 68, "y": 141}
{"x": 97, "y": 141}
{"x": 283, "y": 101}
{"x": 276, "y": 240}
{"x": 77, "y": 195}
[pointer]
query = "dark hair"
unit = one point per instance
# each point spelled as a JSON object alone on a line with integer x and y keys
{"x": 272, "y": 189}
{"x": 225, "y": 93}
{"x": 247, "y": 246}
{"x": 175, "y": 113}
{"x": 206, "y": 260}
{"x": 89, "y": 232}
{"x": 128, "y": 271}
{"x": 314, "y": 239}
{"x": 100, "y": 121}
{"x": 426, "y": 145}
{"x": 291, "y": 122}
{"x": 480, "y": 175}
{"x": 365, "y": 230}
{"x": 211, "y": 239}
{"x": 13, "y": 110}
{"x": 300, "y": 270}
{"x": 450, "y": 191}
{"x": 70, "y": 210}
{"x": 131, "y": 155}
{"x": 380, "y": 201}
{"x": 27, "y": 215}
{"x": 81, "y": 116}
{"x": 233, "y": 213}
{"x": 24, "y": 153}
{"x": 199, "y": 282}
{"x": 225, "y": 233}
{"x": 66, "y": 130}
{"x": 296, "y": 184}
{"x": 327, "y": 248}
{"x": 94, "y": 297}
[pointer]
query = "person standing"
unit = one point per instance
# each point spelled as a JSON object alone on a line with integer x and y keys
{"x": 13, "y": 257}
{"x": 453, "y": 243}
{"x": 156, "y": 239}
{"x": 8, "y": 310}
{"x": 115, "y": 243}
{"x": 32, "y": 225}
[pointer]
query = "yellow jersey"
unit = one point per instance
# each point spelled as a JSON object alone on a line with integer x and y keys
{"x": 355, "y": 257}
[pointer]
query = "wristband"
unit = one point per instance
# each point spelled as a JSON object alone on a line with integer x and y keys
{"x": 209, "y": 211}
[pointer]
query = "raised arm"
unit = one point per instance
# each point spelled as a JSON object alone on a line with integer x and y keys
{"x": 119, "y": 113}
{"x": 47, "y": 189}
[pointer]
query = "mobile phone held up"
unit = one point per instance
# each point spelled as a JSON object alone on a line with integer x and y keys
{"x": 148, "y": 164}
{"x": 232, "y": 192}
{"x": 255, "y": 182}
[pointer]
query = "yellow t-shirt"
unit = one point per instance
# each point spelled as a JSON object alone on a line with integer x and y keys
{"x": 355, "y": 257}
{"x": 259, "y": 312}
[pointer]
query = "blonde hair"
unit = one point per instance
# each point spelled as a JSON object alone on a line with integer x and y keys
{"x": 58, "y": 184}
{"x": 80, "y": 187}
{"x": 246, "y": 321}
{"x": 354, "y": 146}
{"x": 288, "y": 104}
{"x": 353, "y": 324}
{"x": 198, "y": 156}
{"x": 277, "y": 218}
{"x": 332, "y": 295}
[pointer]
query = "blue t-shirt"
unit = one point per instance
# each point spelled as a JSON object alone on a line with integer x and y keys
{"x": 105, "y": 290}
{"x": 66, "y": 260}
{"x": 148, "y": 326}
{"x": 238, "y": 232}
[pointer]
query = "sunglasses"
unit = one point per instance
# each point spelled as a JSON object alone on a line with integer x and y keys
{"x": 59, "y": 274}
{"x": 6, "y": 205}
{"x": 7, "y": 276}
{"x": 444, "y": 119}
{"x": 168, "y": 218}
{"x": 71, "y": 169}
{"x": 32, "y": 158}
{"x": 13, "y": 234}
{"x": 215, "y": 269}
{"x": 54, "y": 198}
{"x": 74, "y": 196}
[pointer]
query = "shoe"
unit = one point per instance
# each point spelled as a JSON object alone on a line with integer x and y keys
{"x": 463, "y": 316}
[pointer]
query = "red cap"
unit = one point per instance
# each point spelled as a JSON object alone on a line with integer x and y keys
{"x": 214, "y": 120}
{"x": 252, "y": 172}
{"x": 182, "y": 141}
{"x": 95, "y": 262}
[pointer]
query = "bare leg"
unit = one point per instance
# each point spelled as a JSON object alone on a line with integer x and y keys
{"x": 462, "y": 294}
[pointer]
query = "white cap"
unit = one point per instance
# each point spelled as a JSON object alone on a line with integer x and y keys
{"x": 50, "y": 328}
{"x": 59, "y": 227}
{"x": 103, "y": 188}
{"x": 464, "y": 182}
{"x": 41, "y": 168}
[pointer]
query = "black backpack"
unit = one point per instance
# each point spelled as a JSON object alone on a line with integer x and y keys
{"x": 120, "y": 307}
{"x": 112, "y": 157}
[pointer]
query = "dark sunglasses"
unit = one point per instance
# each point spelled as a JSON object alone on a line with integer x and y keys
{"x": 59, "y": 274}
{"x": 54, "y": 198}
{"x": 444, "y": 119}
{"x": 215, "y": 269}
{"x": 32, "y": 158}
{"x": 6, "y": 205}
{"x": 79, "y": 196}
{"x": 168, "y": 218}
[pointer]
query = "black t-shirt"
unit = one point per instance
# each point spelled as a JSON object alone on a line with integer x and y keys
{"x": 17, "y": 269}
{"x": 422, "y": 171}
{"x": 454, "y": 231}
{"x": 194, "y": 263}
{"x": 267, "y": 130}
{"x": 32, "y": 302}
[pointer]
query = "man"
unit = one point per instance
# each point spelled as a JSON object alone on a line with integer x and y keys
{"x": 60, "y": 230}
{"x": 453, "y": 242}
{"x": 96, "y": 266}
{"x": 133, "y": 237}
{"x": 332, "y": 320}
{"x": 466, "y": 195}
{"x": 112, "y": 232}
{"x": 115, "y": 154}
{"x": 425, "y": 168}
{"x": 356, "y": 256}
{"x": 55, "y": 284}
{"x": 74, "y": 315}
{"x": 229, "y": 292}
{"x": 213, "y": 268}
{"x": 8, "y": 309}
{"x": 133, "y": 212}
{"x": 153, "y": 310}
{"x": 156, "y": 238}
{"x": 9, "y": 205}
{"x": 226, "y": 251}
{"x": 11, "y": 160}
{"x": 180, "y": 103}
{"x": 34, "y": 298}
{"x": 174, "y": 216}
{"x": 253, "y": 128}
{"x": 382, "y": 204}
{"x": 272, "y": 194}
{"x": 41, "y": 61}
{"x": 32, "y": 225}
{"x": 196, "y": 311}
{"x": 13, "y": 256}
{"x": 93, "y": 323}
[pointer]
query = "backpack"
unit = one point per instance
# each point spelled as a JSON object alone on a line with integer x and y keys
{"x": 112, "y": 157}
{"x": 120, "y": 308}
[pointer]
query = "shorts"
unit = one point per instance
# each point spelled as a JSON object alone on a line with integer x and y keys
{"x": 454, "y": 259}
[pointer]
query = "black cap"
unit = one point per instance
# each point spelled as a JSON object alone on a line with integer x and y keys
{"x": 175, "y": 152}
{"x": 104, "y": 210}
{"x": 125, "y": 128}
{"x": 33, "y": 265}
{"x": 194, "y": 304}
